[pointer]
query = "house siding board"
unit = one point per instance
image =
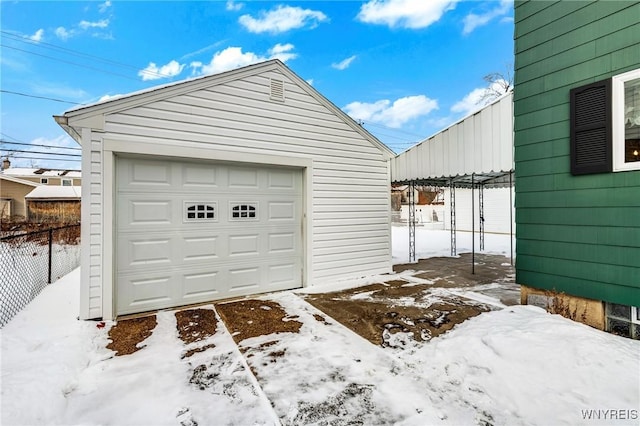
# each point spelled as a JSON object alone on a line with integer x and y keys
{"x": 350, "y": 175}
{"x": 575, "y": 234}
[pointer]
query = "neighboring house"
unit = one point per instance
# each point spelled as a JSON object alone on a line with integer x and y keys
{"x": 577, "y": 125}
{"x": 43, "y": 175}
{"x": 242, "y": 182}
{"x": 12, "y": 193}
{"x": 53, "y": 203}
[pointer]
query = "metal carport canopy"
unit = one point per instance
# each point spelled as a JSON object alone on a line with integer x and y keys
{"x": 475, "y": 152}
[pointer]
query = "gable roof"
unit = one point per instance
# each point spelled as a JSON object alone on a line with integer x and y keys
{"x": 18, "y": 180}
{"x": 165, "y": 91}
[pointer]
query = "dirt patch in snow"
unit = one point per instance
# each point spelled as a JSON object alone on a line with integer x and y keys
{"x": 252, "y": 318}
{"x": 195, "y": 325}
{"x": 379, "y": 316}
{"x": 127, "y": 335}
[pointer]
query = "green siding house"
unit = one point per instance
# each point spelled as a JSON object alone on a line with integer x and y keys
{"x": 577, "y": 159}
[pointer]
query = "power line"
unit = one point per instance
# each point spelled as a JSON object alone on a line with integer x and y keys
{"x": 39, "y": 97}
{"x": 45, "y": 45}
{"x": 45, "y": 158}
{"x": 68, "y": 62}
{"x": 43, "y": 152}
{"x": 35, "y": 144}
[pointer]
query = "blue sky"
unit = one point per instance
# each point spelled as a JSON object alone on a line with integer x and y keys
{"x": 405, "y": 68}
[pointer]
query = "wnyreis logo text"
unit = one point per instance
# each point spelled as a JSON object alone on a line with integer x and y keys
{"x": 610, "y": 414}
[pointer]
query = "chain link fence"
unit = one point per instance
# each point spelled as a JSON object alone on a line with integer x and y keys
{"x": 30, "y": 261}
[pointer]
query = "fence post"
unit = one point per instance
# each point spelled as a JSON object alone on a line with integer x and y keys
{"x": 50, "y": 254}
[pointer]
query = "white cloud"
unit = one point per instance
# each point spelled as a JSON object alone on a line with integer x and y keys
{"x": 404, "y": 13}
{"x": 478, "y": 98}
{"x": 310, "y": 82}
{"x": 233, "y": 57}
{"x": 471, "y": 102}
{"x": 153, "y": 72}
{"x": 344, "y": 64}
{"x": 282, "y": 52}
{"x": 102, "y": 7}
{"x": 63, "y": 34}
{"x": 473, "y": 21}
{"x": 233, "y": 6}
{"x": 103, "y": 23}
{"x": 37, "y": 36}
{"x": 282, "y": 19}
{"x": 393, "y": 114}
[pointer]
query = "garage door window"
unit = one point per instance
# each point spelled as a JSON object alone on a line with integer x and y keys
{"x": 244, "y": 211}
{"x": 199, "y": 212}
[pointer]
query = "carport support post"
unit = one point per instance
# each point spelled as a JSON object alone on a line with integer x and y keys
{"x": 452, "y": 202}
{"x": 473, "y": 226}
{"x": 481, "y": 211}
{"x": 412, "y": 221}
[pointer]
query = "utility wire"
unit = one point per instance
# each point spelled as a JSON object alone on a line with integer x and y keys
{"x": 43, "y": 152}
{"x": 50, "y": 46}
{"x": 39, "y": 97}
{"x": 45, "y": 158}
{"x": 68, "y": 62}
{"x": 35, "y": 144}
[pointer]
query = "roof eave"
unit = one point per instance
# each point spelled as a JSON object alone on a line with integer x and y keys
{"x": 63, "y": 122}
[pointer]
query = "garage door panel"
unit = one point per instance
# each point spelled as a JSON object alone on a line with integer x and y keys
{"x": 243, "y": 245}
{"x": 284, "y": 179}
{"x": 166, "y": 257}
{"x": 201, "y": 286}
{"x": 150, "y": 212}
{"x": 197, "y": 249}
{"x": 281, "y": 211}
{"x": 283, "y": 274}
{"x": 149, "y": 290}
{"x": 244, "y": 178}
{"x": 244, "y": 279}
{"x": 282, "y": 242}
{"x": 199, "y": 176}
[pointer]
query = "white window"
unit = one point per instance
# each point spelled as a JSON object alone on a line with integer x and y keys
{"x": 67, "y": 182}
{"x": 44, "y": 180}
{"x": 198, "y": 211}
{"x": 243, "y": 211}
{"x": 626, "y": 121}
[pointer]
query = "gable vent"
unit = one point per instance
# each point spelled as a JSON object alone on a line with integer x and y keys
{"x": 277, "y": 90}
{"x": 590, "y": 126}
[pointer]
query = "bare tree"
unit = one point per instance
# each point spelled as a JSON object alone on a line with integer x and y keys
{"x": 498, "y": 84}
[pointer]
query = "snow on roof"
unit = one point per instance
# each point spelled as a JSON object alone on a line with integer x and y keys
{"x": 42, "y": 172}
{"x": 55, "y": 192}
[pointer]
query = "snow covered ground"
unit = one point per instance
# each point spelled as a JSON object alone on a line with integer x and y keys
{"x": 518, "y": 365}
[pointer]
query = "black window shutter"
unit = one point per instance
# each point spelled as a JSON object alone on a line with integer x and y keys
{"x": 591, "y": 140}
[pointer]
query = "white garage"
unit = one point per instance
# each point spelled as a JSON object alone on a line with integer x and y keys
{"x": 227, "y": 185}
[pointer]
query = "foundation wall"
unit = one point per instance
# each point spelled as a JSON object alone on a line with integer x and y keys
{"x": 587, "y": 311}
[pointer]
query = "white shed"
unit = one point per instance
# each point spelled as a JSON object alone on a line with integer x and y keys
{"x": 243, "y": 182}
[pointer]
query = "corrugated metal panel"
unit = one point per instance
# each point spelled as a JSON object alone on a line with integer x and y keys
{"x": 480, "y": 143}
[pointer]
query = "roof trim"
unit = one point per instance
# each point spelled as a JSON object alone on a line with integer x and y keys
{"x": 157, "y": 93}
{"x": 18, "y": 180}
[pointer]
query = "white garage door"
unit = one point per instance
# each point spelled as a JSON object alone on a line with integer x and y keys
{"x": 189, "y": 232}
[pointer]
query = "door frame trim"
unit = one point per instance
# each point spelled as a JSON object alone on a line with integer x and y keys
{"x": 115, "y": 148}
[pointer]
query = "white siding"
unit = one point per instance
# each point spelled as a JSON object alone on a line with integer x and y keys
{"x": 496, "y": 210}
{"x": 480, "y": 143}
{"x": 350, "y": 183}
